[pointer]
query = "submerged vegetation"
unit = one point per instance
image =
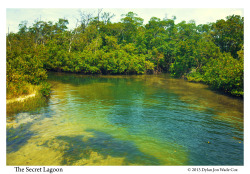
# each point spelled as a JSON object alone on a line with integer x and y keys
{"x": 210, "y": 53}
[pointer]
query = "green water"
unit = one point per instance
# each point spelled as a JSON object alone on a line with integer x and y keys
{"x": 128, "y": 120}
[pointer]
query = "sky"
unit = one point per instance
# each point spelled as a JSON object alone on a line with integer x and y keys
{"x": 14, "y": 16}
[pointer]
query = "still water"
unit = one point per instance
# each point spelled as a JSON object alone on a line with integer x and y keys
{"x": 128, "y": 120}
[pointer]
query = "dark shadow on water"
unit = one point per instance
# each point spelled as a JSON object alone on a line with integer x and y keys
{"x": 221, "y": 92}
{"x": 74, "y": 79}
{"x": 105, "y": 145}
{"x": 18, "y": 137}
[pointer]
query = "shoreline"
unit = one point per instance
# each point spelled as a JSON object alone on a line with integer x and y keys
{"x": 21, "y": 98}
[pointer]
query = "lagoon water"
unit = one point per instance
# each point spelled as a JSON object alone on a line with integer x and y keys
{"x": 128, "y": 120}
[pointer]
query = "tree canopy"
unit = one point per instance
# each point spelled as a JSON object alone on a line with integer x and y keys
{"x": 211, "y": 53}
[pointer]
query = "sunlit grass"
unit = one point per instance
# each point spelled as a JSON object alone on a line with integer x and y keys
{"x": 25, "y": 105}
{"x": 15, "y": 90}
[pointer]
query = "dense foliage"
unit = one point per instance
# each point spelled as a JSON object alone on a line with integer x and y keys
{"x": 210, "y": 53}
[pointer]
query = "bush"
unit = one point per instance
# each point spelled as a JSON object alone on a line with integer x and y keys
{"x": 225, "y": 73}
{"x": 45, "y": 89}
{"x": 195, "y": 77}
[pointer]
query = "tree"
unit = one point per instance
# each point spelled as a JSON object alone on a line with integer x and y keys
{"x": 229, "y": 34}
{"x": 130, "y": 24}
{"x": 86, "y": 18}
{"x": 96, "y": 45}
{"x": 225, "y": 73}
{"x": 106, "y": 17}
{"x": 23, "y": 27}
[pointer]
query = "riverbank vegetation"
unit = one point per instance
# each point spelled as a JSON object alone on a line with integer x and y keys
{"x": 27, "y": 103}
{"x": 210, "y": 53}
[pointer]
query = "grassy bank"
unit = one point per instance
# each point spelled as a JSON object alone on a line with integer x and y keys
{"x": 36, "y": 96}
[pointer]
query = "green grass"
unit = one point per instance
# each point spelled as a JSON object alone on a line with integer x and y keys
{"x": 15, "y": 90}
{"x": 26, "y": 105}
{"x": 42, "y": 92}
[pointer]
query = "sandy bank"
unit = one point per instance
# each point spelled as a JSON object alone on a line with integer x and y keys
{"x": 21, "y": 98}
